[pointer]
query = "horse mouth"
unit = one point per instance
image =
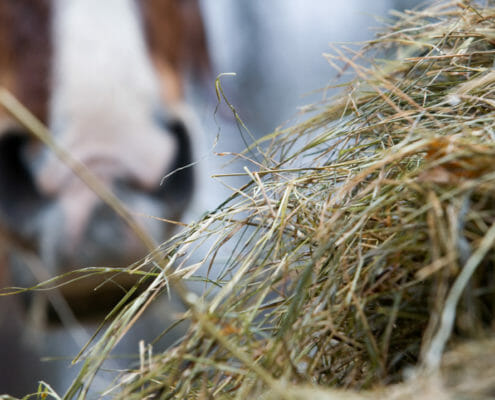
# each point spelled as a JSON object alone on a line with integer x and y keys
{"x": 93, "y": 267}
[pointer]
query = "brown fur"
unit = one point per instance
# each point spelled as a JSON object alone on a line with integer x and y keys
{"x": 6, "y": 68}
{"x": 175, "y": 34}
{"x": 25, "y": 51}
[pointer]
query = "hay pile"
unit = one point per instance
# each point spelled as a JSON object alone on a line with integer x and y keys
{"x": 363, "y": 245}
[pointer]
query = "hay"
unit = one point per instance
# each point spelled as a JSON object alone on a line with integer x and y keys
{"x": 362, "y": 248}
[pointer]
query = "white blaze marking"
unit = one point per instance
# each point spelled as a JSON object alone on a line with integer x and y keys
{"x": 104, "y": 94}
{"x": 105, "y": 97}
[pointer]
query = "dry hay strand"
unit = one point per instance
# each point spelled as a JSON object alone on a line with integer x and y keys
{"x": 363, "y": 244}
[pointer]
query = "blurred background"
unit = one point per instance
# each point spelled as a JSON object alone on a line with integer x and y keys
{"x": 276, "y": 49}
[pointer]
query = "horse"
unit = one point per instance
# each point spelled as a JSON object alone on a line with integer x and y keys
{"x": 107, "y": 79}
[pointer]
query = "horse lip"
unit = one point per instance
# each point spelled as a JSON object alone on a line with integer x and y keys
{"x": 91, "y": 229}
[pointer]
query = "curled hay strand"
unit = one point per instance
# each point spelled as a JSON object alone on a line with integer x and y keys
{"x": 364, "y": 244}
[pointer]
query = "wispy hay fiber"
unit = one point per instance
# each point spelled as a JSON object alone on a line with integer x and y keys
{"x": 363, "y": 244}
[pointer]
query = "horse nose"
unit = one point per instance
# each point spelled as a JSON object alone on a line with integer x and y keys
{"x": 130, "y": 160}
{"x": 115, "y": 154}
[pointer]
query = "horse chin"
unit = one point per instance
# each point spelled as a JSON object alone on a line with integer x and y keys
{"x": 91, "y": 272}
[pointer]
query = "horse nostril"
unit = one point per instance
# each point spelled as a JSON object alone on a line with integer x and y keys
{"x": 19, "y": 196}
{"x": 177, "y": 127}
{"x": 177, "y": 184}
{"x": 179, "y": 130}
